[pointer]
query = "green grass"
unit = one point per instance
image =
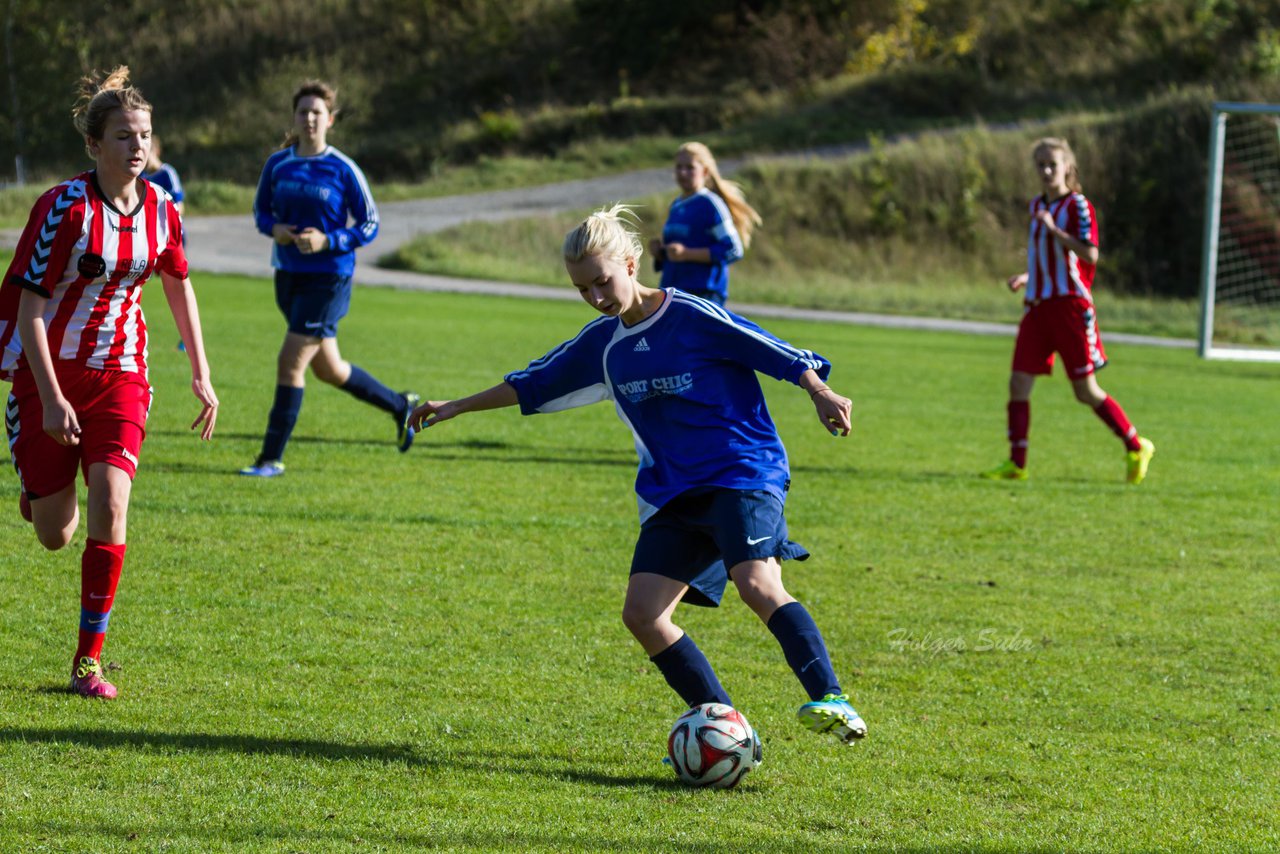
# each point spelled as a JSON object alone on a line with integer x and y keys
{"x": 864, "y": 278}
{"x": 388, "y": 651}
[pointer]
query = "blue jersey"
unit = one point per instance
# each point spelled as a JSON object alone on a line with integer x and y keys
{"x": 166, "y": 176}
{"x": 325, "y": 191}
{"x": 701, "y": 221}
{"x": 684, "y": 381}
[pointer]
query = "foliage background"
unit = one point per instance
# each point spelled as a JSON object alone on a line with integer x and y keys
{"x": 427, "y": 82}
{"x": 429, "y": 87}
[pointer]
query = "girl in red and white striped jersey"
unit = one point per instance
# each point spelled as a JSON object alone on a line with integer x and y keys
{"x": 74, "y": 341}
{"x": 1062, "y": 253}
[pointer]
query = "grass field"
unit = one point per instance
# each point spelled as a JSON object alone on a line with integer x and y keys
{"x": 864, "y": 275}
{"x": 384, "y": 652}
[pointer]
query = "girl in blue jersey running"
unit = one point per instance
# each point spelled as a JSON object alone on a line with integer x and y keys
{"x": 708, "y": 228}
{"x": 307, "y": 194}
{"x": 713, "y": 474}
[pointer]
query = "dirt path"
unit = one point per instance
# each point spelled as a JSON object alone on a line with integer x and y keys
{"x": 231, "y": 244}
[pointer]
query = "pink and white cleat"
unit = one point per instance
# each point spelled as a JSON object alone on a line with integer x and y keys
{"x": 87, "y": 681}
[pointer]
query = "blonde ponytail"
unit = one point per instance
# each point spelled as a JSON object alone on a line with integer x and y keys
{"x": 745, "y": 218}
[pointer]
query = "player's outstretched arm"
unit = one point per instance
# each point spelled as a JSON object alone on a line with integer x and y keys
{"x": 834, "y": 411}
{"x": 435, "y": 411}
{"x": 1017, "y": 282}
{"x": 186, "y": 316}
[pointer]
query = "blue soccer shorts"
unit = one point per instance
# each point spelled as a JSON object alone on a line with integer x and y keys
{"x": 697, "y": 537}
{"x": 313, "y": 303}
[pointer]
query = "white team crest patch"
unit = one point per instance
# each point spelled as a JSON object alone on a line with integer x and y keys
{"x": 642, "y": 346}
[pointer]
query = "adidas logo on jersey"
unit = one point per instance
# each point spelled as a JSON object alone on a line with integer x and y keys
{"x": 642, "y": 346}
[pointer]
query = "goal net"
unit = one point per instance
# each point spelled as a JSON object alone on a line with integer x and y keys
{"x": 1240, "y": 269}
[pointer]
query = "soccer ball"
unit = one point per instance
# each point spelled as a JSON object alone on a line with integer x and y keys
{"x": 713, "y": 745}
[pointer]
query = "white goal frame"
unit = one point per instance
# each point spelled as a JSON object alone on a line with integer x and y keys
{"x": 1212, "y": 226}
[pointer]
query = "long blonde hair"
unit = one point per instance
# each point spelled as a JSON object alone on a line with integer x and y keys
{"x": 1054, "y": 143}
{"x": 745, "y": 218}
{"x": 606, "y": 232}
{"x": 97, "y": 96}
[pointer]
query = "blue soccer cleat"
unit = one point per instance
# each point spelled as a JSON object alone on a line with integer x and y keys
{"x": 404, "y": 433}
{"x": 263, "y": 468}
{"x": 833, "y": 714}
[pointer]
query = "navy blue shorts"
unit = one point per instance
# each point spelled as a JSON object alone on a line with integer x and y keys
{"x": 313, "y": 303}
{"x": 699, "y": 536}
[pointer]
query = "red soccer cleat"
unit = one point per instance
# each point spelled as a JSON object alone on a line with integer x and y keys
{"x": 87, "y": 681}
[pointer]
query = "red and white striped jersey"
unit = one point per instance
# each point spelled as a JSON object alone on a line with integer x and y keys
{"x": 1053, "y": 270}
{"x": 90, "y": 261}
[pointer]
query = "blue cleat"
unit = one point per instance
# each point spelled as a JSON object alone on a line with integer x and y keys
{"x": 833, "y": 714}
{"x": 263, "y": 468}
{"x": 404, "y": 433}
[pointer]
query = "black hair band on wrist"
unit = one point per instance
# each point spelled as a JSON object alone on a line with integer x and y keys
{"x": 818, "y": 391}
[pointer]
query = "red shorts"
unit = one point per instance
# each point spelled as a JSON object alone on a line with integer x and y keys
{"x": 1066, "y": 325}
{"x": 111, "y": 407}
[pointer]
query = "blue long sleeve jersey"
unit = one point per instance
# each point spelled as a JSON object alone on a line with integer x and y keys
{"x": 701, "y": 221}
{"x": 684, "y": 381}
{"x": 167, "y": 177}
{"x": 323, "y": 191}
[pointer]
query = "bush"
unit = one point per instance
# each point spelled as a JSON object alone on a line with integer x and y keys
{"x": 964, "y": 194}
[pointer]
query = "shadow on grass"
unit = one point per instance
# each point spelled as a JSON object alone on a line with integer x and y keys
{"x": 435, "y": 832}
{"x": 538, "y": 459}
{"x": 569, "y": 456}
{"x": 351, "y": 441}
{"x": 507, "y": 762}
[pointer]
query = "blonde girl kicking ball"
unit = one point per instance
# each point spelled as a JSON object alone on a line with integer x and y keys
{"x": 713, "y": 476}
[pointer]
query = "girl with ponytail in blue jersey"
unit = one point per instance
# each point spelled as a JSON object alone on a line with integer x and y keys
{"x": 708, "y": 228}
{"x": 713, "y": 476}
{"x": 308, "y": 194}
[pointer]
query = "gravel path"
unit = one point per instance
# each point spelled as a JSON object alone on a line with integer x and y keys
{"x": 230, "y": 244}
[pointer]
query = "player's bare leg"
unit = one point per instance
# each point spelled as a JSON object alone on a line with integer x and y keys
{"x": 55, "y": 517}
{"x": 651, "y": 600}
{"x": 329, "y": 366}
{"x": 759, "y": 584}
{"x": 1088, "y": 392}
{"x": 1021, "y": 384}
{"x": 295, "y": 355}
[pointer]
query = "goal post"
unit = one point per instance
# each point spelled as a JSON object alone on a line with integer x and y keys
{"x": 1240, "y": 261}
